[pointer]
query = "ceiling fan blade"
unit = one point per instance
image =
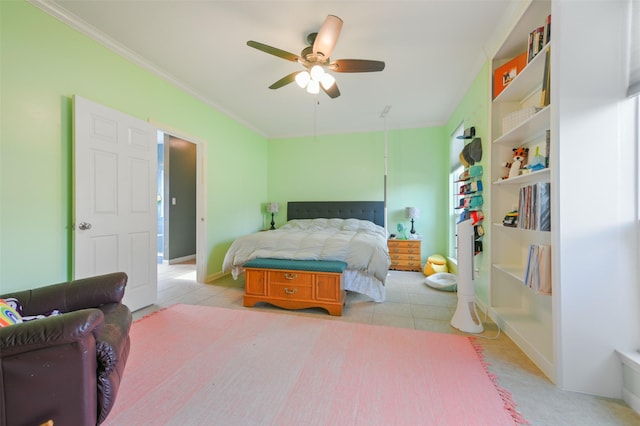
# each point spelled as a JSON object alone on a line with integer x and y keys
{"x": 285, "y": 80}
{"x": 273, "y": 51}
{"x": 356, "y": 65}
{"x": 327, "y": 36}
{"x": 332, "y": 91}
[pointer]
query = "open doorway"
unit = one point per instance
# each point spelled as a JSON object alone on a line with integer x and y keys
{"x": 177, "y": 214}
{"x": 180, "y": 196}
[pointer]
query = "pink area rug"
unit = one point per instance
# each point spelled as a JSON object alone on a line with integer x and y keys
{"x": 196, "y": 365}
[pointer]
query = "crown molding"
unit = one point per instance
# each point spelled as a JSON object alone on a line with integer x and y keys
{"x": 73, "y": 21}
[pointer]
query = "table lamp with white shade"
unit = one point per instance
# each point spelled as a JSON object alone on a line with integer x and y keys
{"x": 412, "y": 213}
{"x": 273, "y": 209}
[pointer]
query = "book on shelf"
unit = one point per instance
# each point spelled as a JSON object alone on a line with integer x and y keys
{"x": 543, "y": 209}
{"x": 538, "y": 38}
{"x": 537, "y": 274}
{"x": 545, "y": 94}
{"x": 536, "y": 43}
{"x": 547, "y": 32}
{"x": 534, "y": 207}
{"x": 547, "y": 145}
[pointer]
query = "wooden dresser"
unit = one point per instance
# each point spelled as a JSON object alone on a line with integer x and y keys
{"x": 405, "y": 255}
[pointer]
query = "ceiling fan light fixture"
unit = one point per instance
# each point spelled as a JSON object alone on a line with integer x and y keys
{"x": 316, "y": 60}
{"x": 327, "y": 81}
{"x": 313, "y": 87}
{"x": 302, "y": 79}
{"x": 316, "y": 73}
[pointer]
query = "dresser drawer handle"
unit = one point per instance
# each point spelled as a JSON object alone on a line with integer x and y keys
{"x": 291, "y": 276}
{"x": 290, "y": 290}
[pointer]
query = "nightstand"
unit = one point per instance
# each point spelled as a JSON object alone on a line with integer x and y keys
{"x": 405, "y": 255}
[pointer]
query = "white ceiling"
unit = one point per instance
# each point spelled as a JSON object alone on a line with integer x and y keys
{"x": 432, "y": 49}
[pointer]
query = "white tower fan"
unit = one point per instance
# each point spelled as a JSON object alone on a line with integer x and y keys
{"x": 466, "y": 316}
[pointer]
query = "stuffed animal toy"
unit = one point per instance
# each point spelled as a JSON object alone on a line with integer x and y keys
{"x": 518, "y": 163}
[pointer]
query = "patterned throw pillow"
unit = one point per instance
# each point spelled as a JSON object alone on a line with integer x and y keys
{"x": 15, "y": 305}
{"x": 8, "y": 315}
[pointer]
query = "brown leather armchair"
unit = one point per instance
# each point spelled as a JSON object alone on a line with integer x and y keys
{"x": 66, "y": 368}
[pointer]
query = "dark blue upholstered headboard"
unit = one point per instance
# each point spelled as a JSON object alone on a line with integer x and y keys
{"x": 368, "y": 210}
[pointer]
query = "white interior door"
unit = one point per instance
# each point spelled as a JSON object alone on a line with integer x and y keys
{"x": 115, "y": 199}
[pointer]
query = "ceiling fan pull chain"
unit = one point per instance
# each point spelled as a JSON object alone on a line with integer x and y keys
{"x": 316, "y": 102}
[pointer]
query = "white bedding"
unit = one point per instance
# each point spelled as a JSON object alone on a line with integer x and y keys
{"x": 359, "y": 243}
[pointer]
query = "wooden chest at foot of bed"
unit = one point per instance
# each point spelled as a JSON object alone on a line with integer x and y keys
{"x": 295, "y": 284}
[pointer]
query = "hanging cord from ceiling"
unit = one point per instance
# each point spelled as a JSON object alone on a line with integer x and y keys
{"x": 316, "y": 104}
{"x": 383, "y": 115}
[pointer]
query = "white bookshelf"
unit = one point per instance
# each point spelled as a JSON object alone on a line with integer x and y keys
{"x": 529, "y": 334}
{"x": 533, "y": 126}
{"x": 527, "y": 317}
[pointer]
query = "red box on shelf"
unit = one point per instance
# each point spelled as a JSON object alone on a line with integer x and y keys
{"x": 504, "y": 74}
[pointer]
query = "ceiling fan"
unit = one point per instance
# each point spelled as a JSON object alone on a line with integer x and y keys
{"x": 315, "y": 59}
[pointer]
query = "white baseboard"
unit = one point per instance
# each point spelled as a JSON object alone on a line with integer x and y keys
{"x": 182, "y": 259}
{"x": 631, "y": 399}
{"x": 631, "y": 360}
{"x": 213, "y": 277}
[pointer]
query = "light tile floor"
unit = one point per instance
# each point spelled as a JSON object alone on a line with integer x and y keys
{"x": 412, "y": 304}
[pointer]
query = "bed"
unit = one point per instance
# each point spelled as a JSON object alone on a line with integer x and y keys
{"x": 352, "y": 232}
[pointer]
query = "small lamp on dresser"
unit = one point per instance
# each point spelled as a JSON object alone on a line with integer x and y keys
{"x": 412, "y": 213}
{"x": 273, "y": 209}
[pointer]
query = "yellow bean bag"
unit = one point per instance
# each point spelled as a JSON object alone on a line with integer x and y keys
{"x": 435, "y": 263}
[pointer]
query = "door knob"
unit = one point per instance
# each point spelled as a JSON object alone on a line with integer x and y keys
{"x": 84, "y": 226}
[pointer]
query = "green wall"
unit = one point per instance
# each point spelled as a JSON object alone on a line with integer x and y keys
{"x": 351, "y": 167}
{"x": 43, "y": 63}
